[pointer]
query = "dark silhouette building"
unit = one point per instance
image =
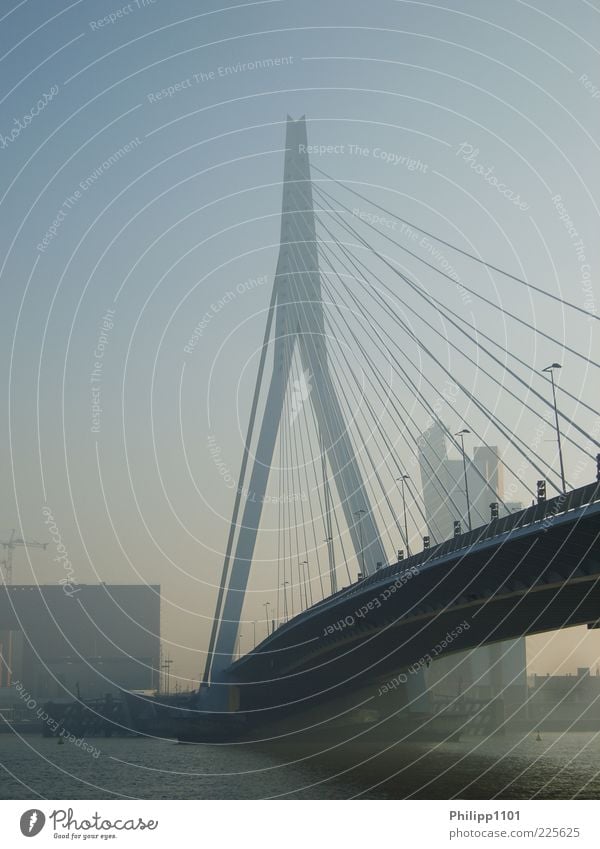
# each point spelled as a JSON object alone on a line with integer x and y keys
{"x": 58, "y": 640}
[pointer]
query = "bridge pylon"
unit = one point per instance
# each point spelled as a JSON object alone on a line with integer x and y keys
{"x": 297, "y": 314}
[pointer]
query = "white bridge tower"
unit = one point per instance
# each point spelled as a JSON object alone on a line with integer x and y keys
{"x": 297, "y": 314}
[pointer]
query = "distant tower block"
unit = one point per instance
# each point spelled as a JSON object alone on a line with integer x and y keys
{"x": 299, "y": 320}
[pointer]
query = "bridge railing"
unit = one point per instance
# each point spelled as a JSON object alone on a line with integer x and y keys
{"x": 545, "y": 511}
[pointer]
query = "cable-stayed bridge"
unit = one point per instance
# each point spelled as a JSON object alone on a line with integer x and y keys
{"x": 339, "y": 411}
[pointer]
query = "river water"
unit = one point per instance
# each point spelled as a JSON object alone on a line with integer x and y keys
{"x": 561, "y": 765}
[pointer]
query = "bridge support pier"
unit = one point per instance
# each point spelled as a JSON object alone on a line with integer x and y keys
{"x": 496, "y": 716}
{"x": 417, "y": 692}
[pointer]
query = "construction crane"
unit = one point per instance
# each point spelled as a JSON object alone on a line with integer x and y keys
{"x": 9, "y": 546}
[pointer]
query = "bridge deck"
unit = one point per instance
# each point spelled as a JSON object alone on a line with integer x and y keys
{"x": 532, "y": 571}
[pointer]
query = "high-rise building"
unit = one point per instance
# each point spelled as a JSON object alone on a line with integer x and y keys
{"x": 443, "y": 483}
{"x": 495, "y": 669}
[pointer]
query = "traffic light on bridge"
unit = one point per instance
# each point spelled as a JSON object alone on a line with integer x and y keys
{"x": 541, "y": 491}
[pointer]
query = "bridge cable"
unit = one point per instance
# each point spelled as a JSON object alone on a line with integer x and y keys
{"x": 444, "y": 495}
{"x": 479, "y": 404}
{"x": 425, "y": 297}
{"x": 316, "y": 488}
{"x": 298, "y": 467}
{"x": 462, "y": 251}
{"x": 286, "y": 419}
{"x": 310, "y": 507}
{"x": 427, "y": 459}
{"x": 301, "y": 305}
{"x": 437, "y": 536}
{"x": 390, "y": 453}
{"x": 418, "y": 395}
{"x": 564, "y": 346}
{"x": 492, "y": 417}
{"x": 456, "y": 315}
{"x": 233, "y": 526}
{"x": 280, "y": 525}
{"x": 316, "y": 428}
{"x": 365, "y": 445}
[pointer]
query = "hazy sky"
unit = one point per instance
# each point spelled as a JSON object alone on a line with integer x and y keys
{"x": 141, "y": 182}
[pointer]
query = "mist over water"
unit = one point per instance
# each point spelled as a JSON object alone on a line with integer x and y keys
{"x": 561, "y": 766}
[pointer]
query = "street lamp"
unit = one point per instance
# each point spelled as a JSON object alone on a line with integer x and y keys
{"x": 254, "y": 627}
{"x": 302, "y": 582}
{"x": 550, "y": 370}
{"x": 285, "y": 606}
{"x": 332, "y": 575}
{"x": 402, "y": 479}
{"x": 360, "y": 514}
{"x": 462, "y": 433}
{"x": 306, "y": 578}
{"x": 266, "y": 606}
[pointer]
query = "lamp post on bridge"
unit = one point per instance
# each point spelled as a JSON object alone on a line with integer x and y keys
{"x": 360, "y": 514}
{"x": 462, "y": 433}
{"x": 285, "y": 605}
{"x": 550, "y": 370}
{"x": 331, "y": 561}
{"x": 266, "y": 606}
{"x": 402, "y": 479}
{"x": 302, "y": 583}
{"x": 306, "y": 578}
